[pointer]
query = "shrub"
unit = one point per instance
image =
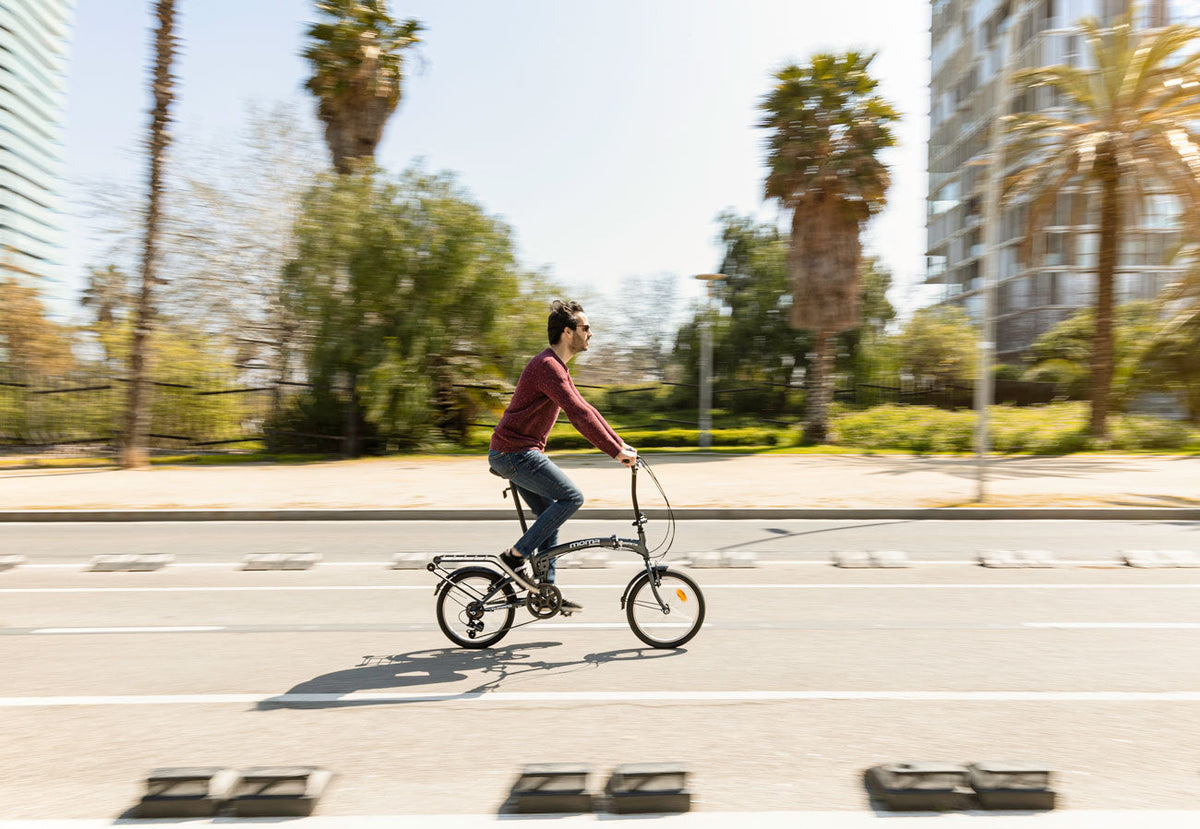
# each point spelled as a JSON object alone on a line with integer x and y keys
{"x": 312, "y": 422}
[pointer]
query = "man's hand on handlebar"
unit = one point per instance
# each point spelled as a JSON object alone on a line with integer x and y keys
{"x": 628, "y": 455}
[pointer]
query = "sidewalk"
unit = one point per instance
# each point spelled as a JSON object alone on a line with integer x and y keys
{"x": 780, "y": 484}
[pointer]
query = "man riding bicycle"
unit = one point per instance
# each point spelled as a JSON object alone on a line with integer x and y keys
{"x": 518, "y": 445}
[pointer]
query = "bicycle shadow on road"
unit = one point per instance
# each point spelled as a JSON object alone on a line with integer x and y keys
{"x": 442, "y": 666}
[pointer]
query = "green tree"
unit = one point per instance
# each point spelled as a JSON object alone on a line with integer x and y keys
{"x": 753, "y": 341}
{"x": 356, "y": 52}
{"x": 1063, "y": 354}
{"x": 133, "y": 451}
{"x": 868, "y": 350}
{"x": 827, "y": 128}
{"x": 32, "y": 345}
{"x": 1130, "y": 124}
{"x": 409, "y": 298}
{"x": 938, "y": 344}
{"x": 1171, "y": 359}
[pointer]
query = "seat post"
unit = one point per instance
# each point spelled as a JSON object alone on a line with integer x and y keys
{"x": 516, "y": 499}
{"x": 520, "y": 512}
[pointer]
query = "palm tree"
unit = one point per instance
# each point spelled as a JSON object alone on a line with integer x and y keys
{"x": 1128, "y": 125}
{"x": 133, "y": 452}
{"x": 827, "y": 129}
{"x": 357, "y": 58}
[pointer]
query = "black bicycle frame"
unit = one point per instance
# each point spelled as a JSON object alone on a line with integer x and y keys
{"x": 541, "y": 561}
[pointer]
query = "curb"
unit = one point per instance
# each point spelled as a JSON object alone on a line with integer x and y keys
{"x": 604, "y": 514}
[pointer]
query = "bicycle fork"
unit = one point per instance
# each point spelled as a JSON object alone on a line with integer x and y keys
{"x": 654, "y": 574}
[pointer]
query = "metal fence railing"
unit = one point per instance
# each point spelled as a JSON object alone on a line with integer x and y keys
{"x": 84, "y": 415}
{"x": 88, "y": 414}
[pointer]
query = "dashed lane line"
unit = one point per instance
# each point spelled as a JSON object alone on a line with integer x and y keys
{"x": 703, "y": 586}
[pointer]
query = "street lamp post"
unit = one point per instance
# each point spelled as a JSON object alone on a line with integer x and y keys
{"x": 706, "y": 360}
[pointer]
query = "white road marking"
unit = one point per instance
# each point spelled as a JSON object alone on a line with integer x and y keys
{"x": 824, "y": 561}
{"x": 1114, "y": 625}
{"x": 1061, "y": 819}
{"x": 612, "y": 697}
{"x": 706, "y": 587}
{"x": 163, "y": 629}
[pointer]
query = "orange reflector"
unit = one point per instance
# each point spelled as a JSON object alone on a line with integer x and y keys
{"x": 682, "y": 596}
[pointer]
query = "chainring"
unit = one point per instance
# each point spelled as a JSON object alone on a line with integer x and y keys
{"x": 545, "y": 602}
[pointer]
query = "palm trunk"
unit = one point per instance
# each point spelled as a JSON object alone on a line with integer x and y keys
{"x": 1102, "y": 344}
{"x": 133, "y": 453}
{"x": 820, "y": 390}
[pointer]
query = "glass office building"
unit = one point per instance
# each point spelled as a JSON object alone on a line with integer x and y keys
{"x": 970, "y": 40}
{"x": 33, "y": 57}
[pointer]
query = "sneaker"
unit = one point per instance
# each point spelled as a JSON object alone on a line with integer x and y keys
{"x": 569, "y": 606}
{"x": 516, "y": 566}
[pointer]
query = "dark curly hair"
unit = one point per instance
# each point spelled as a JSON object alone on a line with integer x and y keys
{"x": 562, "y": 315}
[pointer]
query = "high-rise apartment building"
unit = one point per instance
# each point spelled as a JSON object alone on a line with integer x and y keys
{"x": 970, "y": 42}
{"x": 33, "y": 57}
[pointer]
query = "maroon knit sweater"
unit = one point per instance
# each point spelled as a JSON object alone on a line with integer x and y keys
{"x": 546, "y": 387}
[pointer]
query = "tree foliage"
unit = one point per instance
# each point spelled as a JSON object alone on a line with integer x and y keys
{"x": 31, "y": 344}
{"x": 226, "y": 231}
{"x": 409, "y": 299}
{"x": 1063, "y": 354}
{"x": 938, "y": 344}
{"x": 754, "y": 342}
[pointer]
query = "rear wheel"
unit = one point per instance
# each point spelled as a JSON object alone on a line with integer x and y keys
{"x": 673, "y": 621}
{"x": 474, "y": 609}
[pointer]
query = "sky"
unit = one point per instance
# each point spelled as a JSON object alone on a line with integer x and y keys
{"x": 608, "y": 135}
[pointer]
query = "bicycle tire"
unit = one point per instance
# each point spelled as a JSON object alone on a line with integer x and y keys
{"x": 647, "y": 619}
{"x": 454, "y": 599}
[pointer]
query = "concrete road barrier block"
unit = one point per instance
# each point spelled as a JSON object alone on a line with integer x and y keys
{"x": 875, "y": 558}
{"x": 739, "y": 558}
{"x": 1018, "y": 558}
{"x": 920, "y": 787}
{"x": 592, "y": 559}
{"x": 280, "y": 561}
{"x": 186, "y": 792}
{"x": 279, "y": 791}
{"x": 704, "y": 558}
{"x": 852, "y": 560}
{"x": 11, "y": 561}
{"x": 648, "y": 788}
{"x": 1012, "y": 786}
{"x": 1161, "y": 558}
{"x": 545, "y": 788}
{"x": 129, "y": 562}
{"x": 410, "y": 561}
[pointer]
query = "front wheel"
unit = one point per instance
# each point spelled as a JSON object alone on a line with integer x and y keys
{"x": 474, "y": 608}
{"x": 671, "y": 622}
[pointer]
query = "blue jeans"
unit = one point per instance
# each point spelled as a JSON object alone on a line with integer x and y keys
{"x": 548, "y": 492}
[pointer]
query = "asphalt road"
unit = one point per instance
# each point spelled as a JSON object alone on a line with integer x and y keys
{"x": 803, "y": 676}
{"x": 781, "y": 540}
